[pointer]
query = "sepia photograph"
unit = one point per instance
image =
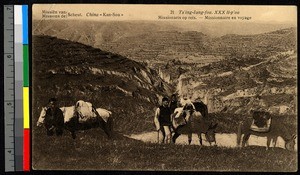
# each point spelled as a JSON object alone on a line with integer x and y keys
{"x": 164, "y": 87}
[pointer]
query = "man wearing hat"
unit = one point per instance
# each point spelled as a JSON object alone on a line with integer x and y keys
{"x": 163, "y": 116}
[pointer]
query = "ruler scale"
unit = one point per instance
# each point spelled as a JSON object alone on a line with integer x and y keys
{"x": 16, "y": 88}
{"x": 9, "y": 88}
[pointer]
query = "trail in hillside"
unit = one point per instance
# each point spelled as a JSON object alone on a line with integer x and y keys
{"x": 254, "y": 65}
{"x": 223, "y": 139}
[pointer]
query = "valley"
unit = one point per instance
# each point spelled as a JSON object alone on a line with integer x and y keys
{"x": 231, "y": 73}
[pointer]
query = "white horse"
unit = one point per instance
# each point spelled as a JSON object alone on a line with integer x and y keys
{"x": 73, "y": 117}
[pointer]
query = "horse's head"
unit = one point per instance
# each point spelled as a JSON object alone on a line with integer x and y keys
{"x": 210, "y": 133}
{"x": 290, "y": 144}
{"x": 177, "y": 117}
{"x": 42, "y": 116}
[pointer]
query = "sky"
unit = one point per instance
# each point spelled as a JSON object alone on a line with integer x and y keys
{"x": 264, "y": 14}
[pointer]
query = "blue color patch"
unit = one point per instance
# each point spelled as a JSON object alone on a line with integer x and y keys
{"x": 25, "y": 23}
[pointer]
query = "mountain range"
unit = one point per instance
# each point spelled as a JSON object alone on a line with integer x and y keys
{"x": 249, "y": 66}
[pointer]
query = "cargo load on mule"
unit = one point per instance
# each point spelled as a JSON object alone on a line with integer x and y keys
{"x": 78, "y": 117}
{"x": 261, "y": 121}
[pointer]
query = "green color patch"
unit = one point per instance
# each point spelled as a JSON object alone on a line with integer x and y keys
{"x": 25, "y": 66}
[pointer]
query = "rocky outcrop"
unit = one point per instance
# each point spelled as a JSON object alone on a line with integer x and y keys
{"x": 73, "y": 71}
{"x": 164, "y": 75}
{"x": 242, "y": 89}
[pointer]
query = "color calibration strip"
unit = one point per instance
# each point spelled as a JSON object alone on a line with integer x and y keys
{"x": 18, "y": 50}
{"x": 22, "y": 126}
{"x": 26, "y": 143}
{"x": 16, "y": 92}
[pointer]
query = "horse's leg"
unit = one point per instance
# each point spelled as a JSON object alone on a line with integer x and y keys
{"x": 109, "y": 126}
{"x": 71, "y": 126}
{"x": 275, "y": 141}
{"x": 72, "y": 131}
{"x": 103, "y": 125}
{"x": 200, "y": 138}
{"x": 175, "y": 136}
{"x": 239, "y": 134}
{"x": 73, "y": 134}
{"x": 245, "y": 138}
{"x": 190, "y": 138}
{"x": 268, "y": 142}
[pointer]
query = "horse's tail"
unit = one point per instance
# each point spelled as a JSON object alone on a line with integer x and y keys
{"x": 239, "y": 134}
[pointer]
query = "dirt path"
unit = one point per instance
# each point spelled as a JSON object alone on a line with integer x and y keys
{"x": 223, "y": 140}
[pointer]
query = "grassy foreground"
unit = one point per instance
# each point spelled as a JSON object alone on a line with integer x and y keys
{"x": 93, "y": 151}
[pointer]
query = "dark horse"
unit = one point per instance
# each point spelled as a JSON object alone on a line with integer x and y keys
{"x": 196, "y": 123}
{"x": 277, "y": 128}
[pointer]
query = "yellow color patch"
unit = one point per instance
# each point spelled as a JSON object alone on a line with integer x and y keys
{"x": 26, "y": 107}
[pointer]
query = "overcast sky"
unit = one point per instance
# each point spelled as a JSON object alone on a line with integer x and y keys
{"x": 265, "y": 14}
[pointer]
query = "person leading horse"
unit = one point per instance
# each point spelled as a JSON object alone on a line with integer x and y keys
{"x": 54, "y": 118}
{"x": 163, "y": 120}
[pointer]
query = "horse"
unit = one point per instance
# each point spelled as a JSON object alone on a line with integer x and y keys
{"x": 195, "y": 123}
{"x": 73, "y": 120}
{"x": 277, "y": 129}
{"x": 66, "y": 112}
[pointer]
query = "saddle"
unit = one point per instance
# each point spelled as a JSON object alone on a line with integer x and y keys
{"x": 261, "y": 121}
{"x": 85, "y": 110}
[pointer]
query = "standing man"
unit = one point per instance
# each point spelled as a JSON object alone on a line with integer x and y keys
{"x": 173, "y": 103}
{"x": 54, "y": 118}
{"x": 163, "y": 116}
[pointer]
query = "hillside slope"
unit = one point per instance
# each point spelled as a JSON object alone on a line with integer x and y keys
{"x": 199, "y": 64}
{"x": 239, "y": 85}
{"x": 72, "y": 71}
